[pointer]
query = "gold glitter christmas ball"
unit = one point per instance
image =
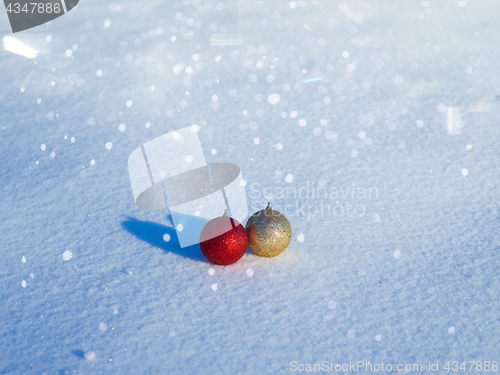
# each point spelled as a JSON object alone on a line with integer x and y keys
{"x": 269, "y": 232}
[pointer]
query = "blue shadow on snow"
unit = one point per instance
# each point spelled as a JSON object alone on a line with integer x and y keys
{"x": 79, "y": 353}
{"x": 152, "y": 233}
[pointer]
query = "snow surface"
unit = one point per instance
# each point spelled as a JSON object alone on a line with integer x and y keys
{"x": 396, "y": 97}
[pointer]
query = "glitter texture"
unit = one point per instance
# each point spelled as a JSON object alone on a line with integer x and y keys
{"x": 269, "y": 232}
{"x": 226, "y": 248}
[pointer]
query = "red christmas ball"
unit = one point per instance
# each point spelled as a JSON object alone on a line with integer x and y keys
{"x": 223, "y": 240}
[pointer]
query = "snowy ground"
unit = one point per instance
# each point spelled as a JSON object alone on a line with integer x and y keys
{"x": 409, "y": 275}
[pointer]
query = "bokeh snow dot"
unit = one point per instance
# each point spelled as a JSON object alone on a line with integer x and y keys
{"x": 273, "y": 99}
{"x": 451, "y": 330}
{"x": 122, "y": 127}
{"x": 397, "y": 254}
{"x": 103, "y": 326}
{"x": 109, "y": 145}
{"x": 211, "y": 271}
{"x": 300, "y": 237}
{"x": 302, "y": 122}
{"x": 249, "y": 272}
{"x": 214, "y": 287}
{"x": 256, "y": 141}
{"x": 289, "y": 178}
{"x": 67, "y": 255}
{"x": 89, "y": 356}
{"x": 465, "y": 172}
{"x": 166, "y": 237}
{"x": 23, "y": 283}
{"x": 378, "y": 338}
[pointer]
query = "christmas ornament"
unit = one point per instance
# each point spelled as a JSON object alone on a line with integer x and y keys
{"x": 227, "y": 247}
{"x": 269, "y": 232}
